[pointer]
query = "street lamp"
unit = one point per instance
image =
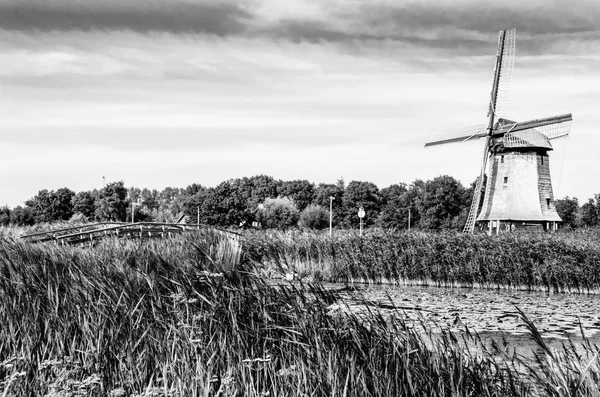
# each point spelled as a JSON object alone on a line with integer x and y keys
{"x": 331, "y": 198}
{"x": 408, "y": 208}
{"x": 139, "y": 203}
{"x": 133, "y": 211}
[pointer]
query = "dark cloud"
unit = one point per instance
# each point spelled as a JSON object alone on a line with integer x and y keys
{"x": 172, "y": 16}
{"x": 318, "y": 32}
{"x": 467, "y": 28}
{"x": 313, "y": 31}
{"x": 487, "y": 17}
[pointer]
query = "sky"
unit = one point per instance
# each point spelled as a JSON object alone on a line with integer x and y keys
{"x": 163, "y": 93}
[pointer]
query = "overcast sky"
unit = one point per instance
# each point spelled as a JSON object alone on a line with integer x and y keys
{"x": 172, "y": 92}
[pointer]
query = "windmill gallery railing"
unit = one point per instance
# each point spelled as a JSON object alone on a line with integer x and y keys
{"x": 94, "y": 232}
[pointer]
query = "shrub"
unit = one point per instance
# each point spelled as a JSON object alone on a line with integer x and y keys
{"x": 78, "y": 217}
{"x": 278, "y": 213}
{"x": 314, "y": 217}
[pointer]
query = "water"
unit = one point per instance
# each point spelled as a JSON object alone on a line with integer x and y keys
{"x": 492, "y": 314}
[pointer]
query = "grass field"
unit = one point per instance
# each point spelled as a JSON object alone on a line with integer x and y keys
{"x": 195, "y": 316}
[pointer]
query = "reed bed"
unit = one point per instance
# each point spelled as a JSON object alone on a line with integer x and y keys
{"x": 568, "y": 262}
{"x": 192, "y": 316}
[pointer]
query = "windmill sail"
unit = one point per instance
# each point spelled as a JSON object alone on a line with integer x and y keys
{"x": 555, "y": 131}
{"x": 457, "y": 135}
{"x": 505, "y": 61}
{"x": 535, "y": 132}
{"x": 501, "y": 92}
{"x": 505, "y": 126}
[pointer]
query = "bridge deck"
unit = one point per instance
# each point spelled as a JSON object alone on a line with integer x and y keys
{"x": 94, "y": 232}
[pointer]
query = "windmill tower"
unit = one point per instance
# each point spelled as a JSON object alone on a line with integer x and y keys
{"x": 514, "y": 168}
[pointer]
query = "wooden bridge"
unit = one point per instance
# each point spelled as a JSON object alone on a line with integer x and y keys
{"x": 94, "y": 232}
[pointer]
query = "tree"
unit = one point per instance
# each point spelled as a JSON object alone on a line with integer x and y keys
{"x": 301, "y": 191}
{"x": 412, "y": 199}
{"x": 149, "y": 199}
{"x": 20, "y": 216}
{"x": 278, "y": 213}
{"x": 193, "y": 189}
{"x": 141, "y": 202}
{"x": 442, "y": 201}
{"x": 326, "y": 190}
{"x": 256, "y": 189}
{"x": 206, "y": 201}
{"x": 588, "y": 214}
{"x": 4, "y": 216}
{"x": 139, "y": 215}
{"x": 314, "y": 217}
{"x": 111, "y": 203}
{"x": 226, "y": 205}
{"x": 49, "y": 206}
{"x": 62, "y": 209}
{"x": 83, "y": 203}
{"x": 567, "y": 209}
{"x": 40, "y": 206}
{"x": 360, "y": 194}
{"x": 322, "y": 195}
{"x": 395, "y": 205}
{"x": 168, "y": 204}
{"x": 233, "y": 202}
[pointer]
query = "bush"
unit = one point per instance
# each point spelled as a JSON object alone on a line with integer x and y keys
{"x": 314, "y": 217}
{"x": 78, "y": 217}
{"x": 278, "y": 213}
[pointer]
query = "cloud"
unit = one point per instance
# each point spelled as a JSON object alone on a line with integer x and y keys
{"x": 482, "y": 17}
{"x": 463, "y": 26}
{"x": 219, "y": 19}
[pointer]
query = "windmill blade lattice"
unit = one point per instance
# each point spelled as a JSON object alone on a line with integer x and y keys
{"x": 506, "y": 72}
{"x": 555, "y": 131}
{"x": 537, "y": 137}
{"x": 456, "y": 135}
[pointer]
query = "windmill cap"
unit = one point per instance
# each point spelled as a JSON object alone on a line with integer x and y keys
{"x": 530, "y": 138}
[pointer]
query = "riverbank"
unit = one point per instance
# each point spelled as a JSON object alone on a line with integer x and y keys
{"x": 567, "y": 262}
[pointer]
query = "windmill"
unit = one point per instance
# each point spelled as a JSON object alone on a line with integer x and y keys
{"x": 514, "y": 166}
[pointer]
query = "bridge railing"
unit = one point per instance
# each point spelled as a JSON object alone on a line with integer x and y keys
{"x": 96, "y": 231}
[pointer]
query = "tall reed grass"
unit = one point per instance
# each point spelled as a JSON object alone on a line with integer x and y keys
{"x": 552, "y": 262}
{"x": 191, "y": 316}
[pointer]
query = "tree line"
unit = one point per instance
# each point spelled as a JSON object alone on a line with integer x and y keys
{"x": 438, "y": 204}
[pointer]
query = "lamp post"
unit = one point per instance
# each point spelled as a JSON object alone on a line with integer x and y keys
{"x": 408, "y": 208}
{"x": 103, "y": 182}
{"x": 133, "y": 209}
{"x": 331, "y": 198}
